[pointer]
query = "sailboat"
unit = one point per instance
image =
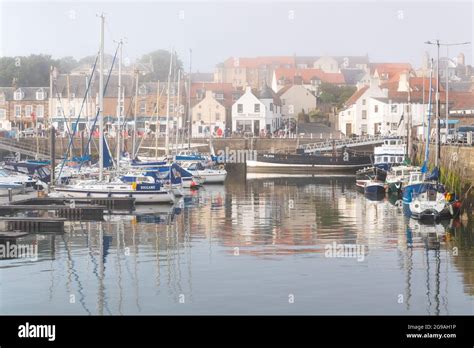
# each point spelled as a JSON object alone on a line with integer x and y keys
{"x": 144, "y": 189}
{"x": 428, "y": 200}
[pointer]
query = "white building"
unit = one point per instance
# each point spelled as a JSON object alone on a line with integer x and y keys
{"x": 296, "y": 99}
{"x": 256, "y": 114}
{"x": 208, "y": 116}
{"x": 384, "y": 109}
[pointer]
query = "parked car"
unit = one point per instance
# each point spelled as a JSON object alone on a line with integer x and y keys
{"x": 451, "y": 138}
{"x": 461, "y": 133}
{"x": 29, "y": 132}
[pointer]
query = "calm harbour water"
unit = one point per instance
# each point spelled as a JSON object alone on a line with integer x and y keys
{"x": 249, "y": 247}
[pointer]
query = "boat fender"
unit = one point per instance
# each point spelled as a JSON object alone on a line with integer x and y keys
{"x": 451, "y": 210}
{"x": 134, "y": 185}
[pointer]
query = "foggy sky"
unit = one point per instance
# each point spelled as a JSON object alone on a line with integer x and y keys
{"x": 386, "y": 31}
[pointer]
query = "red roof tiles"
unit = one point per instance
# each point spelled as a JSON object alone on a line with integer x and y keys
{"x": 288, "y": 75}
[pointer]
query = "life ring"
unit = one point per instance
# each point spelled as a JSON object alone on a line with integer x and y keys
{"x": 221, "y": 167}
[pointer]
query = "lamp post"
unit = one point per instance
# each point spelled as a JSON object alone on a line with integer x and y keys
{"x": 437, "y": 43}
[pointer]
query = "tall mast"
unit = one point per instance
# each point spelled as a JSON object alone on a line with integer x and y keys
{"x": 178, "y": 110}
{"x": 134, "y": 135}
{"x": 438, "y": 114}
{"x": 168, "y": 107}
{"x": 189, "y": 100}
{"x": 119, "y": 107}
{"x": 447, "y": 94}
{"x": 157, "y": 126}
{"x": 408, "y": 119}
{"x": 101, "y": 99}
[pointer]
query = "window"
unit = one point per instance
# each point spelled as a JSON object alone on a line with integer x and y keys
{"x": 219, "y": 96}
{"x": 394, "y": 126}
{"x": 256, "y": 108}
{"x": 199, "y": 116}
{"x": 17, "y": 110}
{"x": 283, "y": 101}
{"x": 363, "y": 129}
{"x": 2, "y": 99}
{"x": 376, "y": 108}
{"x": 240, "y": 108}
{"x": 218, "y": 116}
{"x": 72, "y": 111}
{"x": 143, "y": 107}
{"x": 39, "y": 110}
{"x": 364, "y": 114}
{"x": 199, "y": 128}
{"x": 28, "y": 110}
{"x": 3, "y": 114}
{"x": 363, "y": 101}
{"x": 271, "y": 107}
{"x": 394, "y": 108}
{"x": 40, "y": 94}
{"x": 170, "y": 108}
{"x": 142, "y": 90}
{"x": 18, "y": 95}
{"x": 58, "y": 111}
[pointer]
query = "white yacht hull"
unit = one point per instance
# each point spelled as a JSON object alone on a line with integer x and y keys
{"x": 140, "y": 196}
{"x": 212, "y": 177}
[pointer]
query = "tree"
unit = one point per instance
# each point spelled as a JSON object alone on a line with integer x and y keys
{"x": 32, "y": 71}
{"x": 66, "y": 64}
{"x": 156, "y": 65}
{"x": 335, "y": 95}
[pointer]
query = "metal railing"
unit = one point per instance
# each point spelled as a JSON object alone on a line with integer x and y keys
{"x": 17, "y": 146}
{"x": 340, "y": 143}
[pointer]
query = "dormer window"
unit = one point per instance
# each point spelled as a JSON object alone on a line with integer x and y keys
{"x": 142, "y": 90}
{"x": 219, "y": 96}
{"x": 40, "y": 94}
{"x": 18, "y": 95}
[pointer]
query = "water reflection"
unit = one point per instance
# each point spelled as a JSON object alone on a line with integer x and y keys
{"x": 242, "y": 248}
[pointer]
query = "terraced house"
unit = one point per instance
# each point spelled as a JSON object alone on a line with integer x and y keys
{"x": 23, "y": 107}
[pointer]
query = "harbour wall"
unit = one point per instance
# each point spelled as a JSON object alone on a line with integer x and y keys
{"x": 457, "y": 170}
{"x": 148, "y": 145}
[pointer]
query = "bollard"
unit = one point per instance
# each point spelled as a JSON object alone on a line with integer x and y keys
{"x": 10, "y": 195}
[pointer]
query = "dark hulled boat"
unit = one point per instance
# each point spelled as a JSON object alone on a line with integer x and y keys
{"x": 344, "y": 161}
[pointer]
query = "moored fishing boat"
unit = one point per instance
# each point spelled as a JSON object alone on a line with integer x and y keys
{"x": 346, "y": 161}
{"x": 398, "y": 176}
{"x": 374, "y": 189}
